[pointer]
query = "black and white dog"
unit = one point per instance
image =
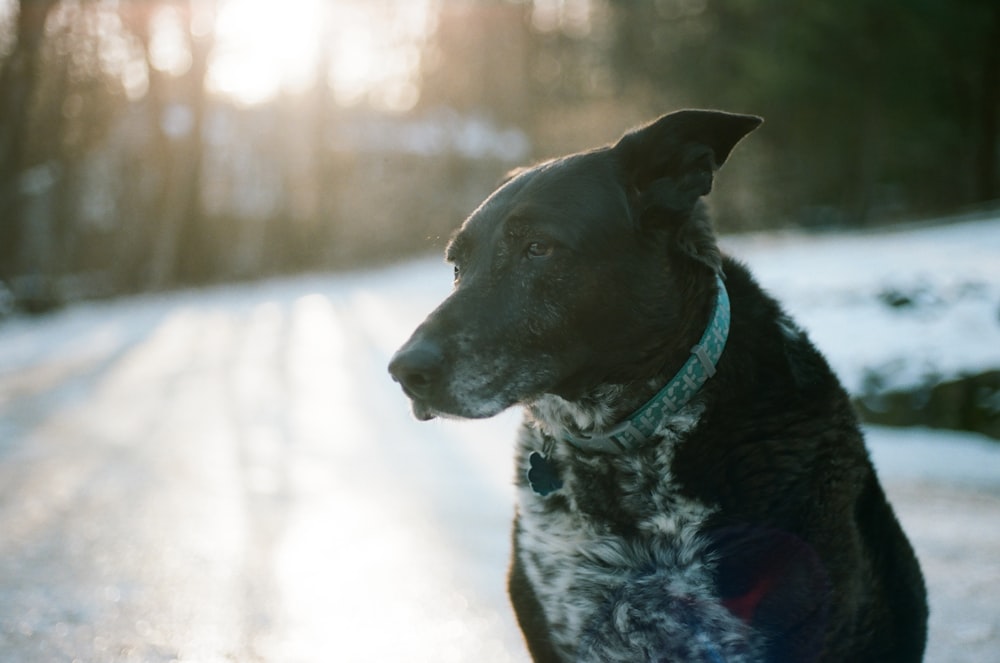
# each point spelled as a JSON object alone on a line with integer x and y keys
{"x": 693, "y": 484}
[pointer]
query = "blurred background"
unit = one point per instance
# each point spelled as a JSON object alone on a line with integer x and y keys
{"x": 219, "y": 219}
{"x": 146, "y": 144}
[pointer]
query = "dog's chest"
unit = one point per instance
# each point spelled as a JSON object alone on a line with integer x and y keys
{"x": 616, "y": 518}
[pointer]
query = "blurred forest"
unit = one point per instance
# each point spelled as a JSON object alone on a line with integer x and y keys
{"x": 148, "y": 144}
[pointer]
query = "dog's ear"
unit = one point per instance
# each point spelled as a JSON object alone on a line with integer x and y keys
{"x": 669, "y": 164}
{"x": 670, "y": 161}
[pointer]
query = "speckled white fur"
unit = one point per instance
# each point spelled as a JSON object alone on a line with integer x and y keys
{"x": 583, "y": 573}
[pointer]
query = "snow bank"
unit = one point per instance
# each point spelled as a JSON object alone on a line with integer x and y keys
{"x": 905, "y": 308}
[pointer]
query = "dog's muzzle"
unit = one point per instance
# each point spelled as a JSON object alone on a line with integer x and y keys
{"x": 417, "y": 367}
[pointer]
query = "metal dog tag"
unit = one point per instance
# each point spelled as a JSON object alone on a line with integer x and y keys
{"x": 543, "y": 476}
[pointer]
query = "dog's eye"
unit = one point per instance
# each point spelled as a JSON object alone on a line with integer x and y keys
{"x": 538, "y": 249}
{"x": 457, "y": 273}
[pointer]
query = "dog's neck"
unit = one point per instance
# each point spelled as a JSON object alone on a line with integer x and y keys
{"x": 594, "y": 423}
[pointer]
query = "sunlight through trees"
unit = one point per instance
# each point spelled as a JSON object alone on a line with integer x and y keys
{"x": 146, "y": 144}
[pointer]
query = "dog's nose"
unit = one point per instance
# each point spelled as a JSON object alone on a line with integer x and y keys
{"x": 416, "y": 366}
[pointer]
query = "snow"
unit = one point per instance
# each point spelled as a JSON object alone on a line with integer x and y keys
{"x": 834, "y": 285}
{"x": 921, "y": 454}
{"x": 229, "y": 474}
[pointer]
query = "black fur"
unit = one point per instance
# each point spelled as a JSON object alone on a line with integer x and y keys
{"x": 752, "y": 526}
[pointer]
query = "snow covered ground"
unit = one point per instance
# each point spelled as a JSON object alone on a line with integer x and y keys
{"x": 230, "y": 475}
{"x": 944, "y": 281}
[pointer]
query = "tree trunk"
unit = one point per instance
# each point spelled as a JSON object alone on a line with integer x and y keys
{"x": 987, "y": 186}
{"x": 180, "y": 249}
{"x": 197, "y": 257}
{"x": 18, "y": 79}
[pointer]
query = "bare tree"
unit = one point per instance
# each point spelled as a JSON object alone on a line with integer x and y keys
{"x": 19, "y": 74}
{"x": 181, "y": 251}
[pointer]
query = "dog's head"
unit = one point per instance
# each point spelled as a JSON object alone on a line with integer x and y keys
{"x": 572, "y": 274}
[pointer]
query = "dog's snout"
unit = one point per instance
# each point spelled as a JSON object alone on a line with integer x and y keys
{"x": 416, "y": 366}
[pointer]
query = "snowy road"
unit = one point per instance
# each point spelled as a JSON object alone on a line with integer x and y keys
{"x": 229, "y": 475}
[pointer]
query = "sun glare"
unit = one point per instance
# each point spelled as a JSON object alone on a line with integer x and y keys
{"x": 263, "y": 49}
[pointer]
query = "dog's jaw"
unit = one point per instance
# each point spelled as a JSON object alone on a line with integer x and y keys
{"x": 556, "y": 415}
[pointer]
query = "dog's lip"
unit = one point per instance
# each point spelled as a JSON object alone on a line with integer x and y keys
{"x": 422, "y": 411}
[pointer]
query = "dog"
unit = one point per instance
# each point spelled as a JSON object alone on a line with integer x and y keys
{"x": 692, "y": 481}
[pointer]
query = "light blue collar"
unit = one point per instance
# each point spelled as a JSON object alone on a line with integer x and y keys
{"x": 700, "y": 366}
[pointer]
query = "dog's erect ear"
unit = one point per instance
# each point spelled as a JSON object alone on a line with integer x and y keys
{"x": 669, "y": 164}
{"x": 686, "y": 147}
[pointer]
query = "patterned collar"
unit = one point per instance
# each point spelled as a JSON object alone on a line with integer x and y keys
{"x": 700, "y": 366}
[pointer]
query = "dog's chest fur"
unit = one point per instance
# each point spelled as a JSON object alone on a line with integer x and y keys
{"x": 618, "y": 521}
